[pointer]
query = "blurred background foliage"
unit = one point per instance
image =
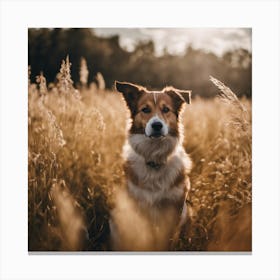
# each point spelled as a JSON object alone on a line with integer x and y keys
{"x": 47, "y": 48}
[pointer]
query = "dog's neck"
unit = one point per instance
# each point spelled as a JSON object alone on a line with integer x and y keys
{"x": 155, "y": 153}
{"x": 154, "y": 165}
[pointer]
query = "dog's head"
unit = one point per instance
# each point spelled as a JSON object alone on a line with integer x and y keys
{"x": 155, "y": 114}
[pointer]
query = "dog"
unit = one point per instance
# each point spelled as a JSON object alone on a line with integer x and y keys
{"x": 153, "y": 207}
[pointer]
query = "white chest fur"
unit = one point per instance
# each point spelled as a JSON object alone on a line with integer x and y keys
{"x": 157, "y": 184}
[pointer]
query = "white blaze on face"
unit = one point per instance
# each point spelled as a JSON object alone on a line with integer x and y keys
{"x": 149, "y": 129}
{"x": 155, "y": 97}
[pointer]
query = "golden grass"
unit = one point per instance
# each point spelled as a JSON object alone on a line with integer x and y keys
{"x": 74, "y": 157}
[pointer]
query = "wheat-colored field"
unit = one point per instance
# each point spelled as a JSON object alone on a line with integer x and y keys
{"x": 75, "y": 143}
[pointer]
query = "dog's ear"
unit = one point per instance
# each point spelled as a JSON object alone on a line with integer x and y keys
{"x": 130, "y": 92}
{"x": 179, "y": 97}
{"x": 186, "y": 94}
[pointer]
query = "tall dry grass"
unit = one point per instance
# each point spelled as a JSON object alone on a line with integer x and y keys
{"x": 74, "y": 166}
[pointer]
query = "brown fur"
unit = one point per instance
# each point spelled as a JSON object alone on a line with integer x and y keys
{"x": 156, "y": 168}
{"x": 140, "y": 119}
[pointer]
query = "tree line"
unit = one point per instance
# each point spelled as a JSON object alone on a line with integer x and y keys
{"x": 48, "y": 47}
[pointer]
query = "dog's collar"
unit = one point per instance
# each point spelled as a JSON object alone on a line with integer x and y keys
{"x": 154, "y": 165}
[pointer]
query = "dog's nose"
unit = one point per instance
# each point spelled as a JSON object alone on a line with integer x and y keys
{"x": 157, "y": 126}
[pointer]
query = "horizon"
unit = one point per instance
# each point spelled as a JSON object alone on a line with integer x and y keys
{"x": 176, "y": 40}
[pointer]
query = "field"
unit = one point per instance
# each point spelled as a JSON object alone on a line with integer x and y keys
{"x": 75, "y": 139}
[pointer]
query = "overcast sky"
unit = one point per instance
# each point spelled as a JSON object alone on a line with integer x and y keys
{"x": 217, "y": 40}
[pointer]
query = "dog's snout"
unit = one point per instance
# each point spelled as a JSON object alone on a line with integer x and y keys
{"x": 157, "y": 126}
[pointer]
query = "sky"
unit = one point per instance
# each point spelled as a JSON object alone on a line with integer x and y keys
{"x": 217, "y": 40}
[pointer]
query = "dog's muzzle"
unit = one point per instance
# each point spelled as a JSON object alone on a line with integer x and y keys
{"x": 156, "y": 128}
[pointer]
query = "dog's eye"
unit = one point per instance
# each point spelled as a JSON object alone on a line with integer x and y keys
{"x": 165, "y": 110}
{"x": 146, "y": 110}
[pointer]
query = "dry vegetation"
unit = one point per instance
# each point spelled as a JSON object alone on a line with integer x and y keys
{"x": 75, "y": 141}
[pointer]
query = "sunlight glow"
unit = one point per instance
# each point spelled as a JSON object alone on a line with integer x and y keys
{"x": 176, "y": 40}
